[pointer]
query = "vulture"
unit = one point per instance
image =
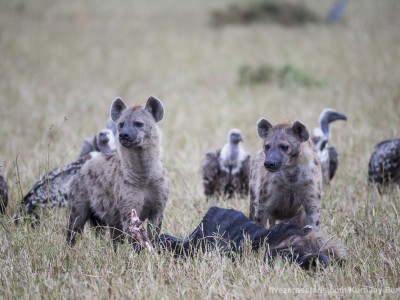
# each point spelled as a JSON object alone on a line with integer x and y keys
{"x": 103, "y": 141}
{"x": 328, "y": 156}
{"x": 226, "y": 171}
{"x": 53, "y": 188}
{"x": 3, "y": 193}
{"x": 384, "y": 164}
{"x": 112, "y": 126}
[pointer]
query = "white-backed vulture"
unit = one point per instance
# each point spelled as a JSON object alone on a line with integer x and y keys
{"x": 328, "y": 155}
{"x": 226, "y": 171}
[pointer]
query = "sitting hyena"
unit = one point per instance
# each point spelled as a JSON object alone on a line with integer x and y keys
{"x": 285, "y": 176}
{"x": 108, "y": 187}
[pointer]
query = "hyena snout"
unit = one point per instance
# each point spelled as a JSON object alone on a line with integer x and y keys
{"x": 273, "y": 162}
{"x": 128, "y": 137}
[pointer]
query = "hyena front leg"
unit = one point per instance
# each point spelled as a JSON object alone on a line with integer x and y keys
{"x": 312, "y": 214}
{"x": 79, "y": 211}
{"x": 117, "y": 236}
{"x": 253, "y": 205}
{"x": 263, "y": 217}
{"x": 154, "y": 224}
{"x": 98, "y": 225}
{"x": 156, "y": 212}
{"x": 76, "y": 222}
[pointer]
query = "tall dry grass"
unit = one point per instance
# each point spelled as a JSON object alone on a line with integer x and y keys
{"x": 62, "y": 64}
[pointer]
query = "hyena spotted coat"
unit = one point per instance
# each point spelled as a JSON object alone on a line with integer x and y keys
{"x": 285, "y": 176}
{"x": 108, "y": 187}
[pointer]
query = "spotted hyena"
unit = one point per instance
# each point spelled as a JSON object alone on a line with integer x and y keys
{"x": 108, "y": 187}
{"x": 285, "y": 176}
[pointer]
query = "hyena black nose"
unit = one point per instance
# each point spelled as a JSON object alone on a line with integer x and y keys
{"x": 272, "y": 165}
{"x": 123, "y": 136}
{"x": 269, "y": 164}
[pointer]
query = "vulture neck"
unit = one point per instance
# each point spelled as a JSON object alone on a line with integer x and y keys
{"x": 229, "y": 160}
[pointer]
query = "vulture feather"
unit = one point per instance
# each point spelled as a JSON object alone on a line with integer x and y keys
{"x": 384, "y": 164}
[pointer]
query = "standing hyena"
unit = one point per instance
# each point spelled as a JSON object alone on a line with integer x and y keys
{"x": 285, "y": 176}
{"x": 108, "y": 187}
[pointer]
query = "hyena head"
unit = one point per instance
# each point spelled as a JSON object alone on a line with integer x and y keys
{"x": 281, "y": 143}
{"x": 136, "y": 126}
{"x": 309, "y": 248}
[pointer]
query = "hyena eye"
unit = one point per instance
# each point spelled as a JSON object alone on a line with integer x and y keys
{"x": 121, "y": 124}
{"x": 266, "y": 147}
{"x": 284, "y": 147}
{"x": 138, "y": 124}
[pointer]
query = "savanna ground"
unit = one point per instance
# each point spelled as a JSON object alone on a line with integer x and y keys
{"x": 62, "y": 64}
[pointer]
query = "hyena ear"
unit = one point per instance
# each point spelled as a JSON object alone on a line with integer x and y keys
{"x": 117, "y": 108}
{"x": 301, "y": 131}
{"x": 155, "y": 107}
{"x": 263, "y": 128}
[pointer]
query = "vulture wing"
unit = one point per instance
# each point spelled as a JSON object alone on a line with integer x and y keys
{"x": 210, "y": 172}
